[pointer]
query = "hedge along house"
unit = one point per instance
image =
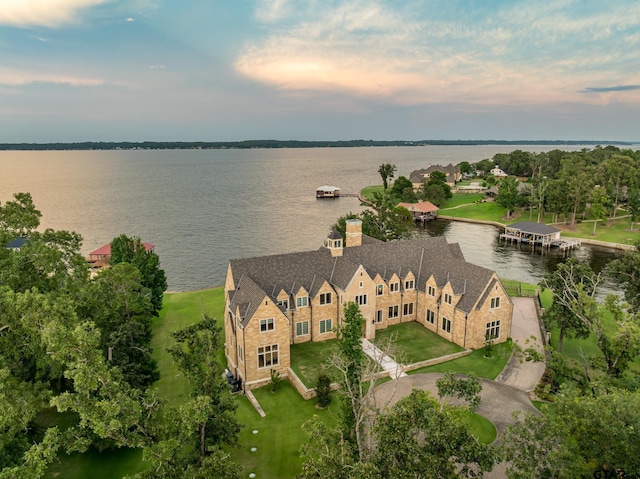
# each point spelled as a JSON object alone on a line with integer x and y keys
{"x": 275, "y": 301}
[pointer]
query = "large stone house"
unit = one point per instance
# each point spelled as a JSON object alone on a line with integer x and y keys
{"x": 453, "y": 174}
{"x": 275, "y": 301}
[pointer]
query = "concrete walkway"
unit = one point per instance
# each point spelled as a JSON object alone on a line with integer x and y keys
{"x": 518, "y": 373}
{"x": 395, "y": 369}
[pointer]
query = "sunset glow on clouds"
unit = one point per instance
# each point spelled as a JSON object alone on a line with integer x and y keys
{"x": 228, "y": 70}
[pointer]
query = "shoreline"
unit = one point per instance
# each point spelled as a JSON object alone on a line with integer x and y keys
{"x": 593, "y": 242}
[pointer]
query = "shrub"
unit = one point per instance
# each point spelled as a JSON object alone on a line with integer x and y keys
{"x": 324, "y": 390}
{"x": 276, "y": 379}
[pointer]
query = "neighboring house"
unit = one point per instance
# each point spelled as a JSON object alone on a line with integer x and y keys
{"x": 272, "y": 302}
{"x": 422, "y": 210}
{"x": 100, "y": 257}
{"x": 497, "y": 172}
{"x": 453, "y": 174}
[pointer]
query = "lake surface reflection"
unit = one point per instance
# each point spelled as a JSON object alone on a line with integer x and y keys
{"x": 203, "y": 207}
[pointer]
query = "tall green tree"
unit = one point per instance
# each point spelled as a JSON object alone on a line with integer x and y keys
{"x": 131, "y": 250}
{"x": 577, "y": 437}
{"x": 508, "y": 194}
{"x": 559, "y": 315}
{"x": 599, "y": 202}
{"x": 386, "y": 170}
{"x": 417, "y": 439}
{"x": 435, "y": 188}
{"x": 402, "y": 190}
{"x": 626, "y": 272}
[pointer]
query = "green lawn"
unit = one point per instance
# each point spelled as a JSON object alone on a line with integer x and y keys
{"x": 309, "y": 360}
{"x": 483, "y": 429}
{"x": 462, "y": 199}
{"x": 368, "y": 191}
{"x": 110, "y": 464}
{"x": 616, "y": 231}
{"x": 180, "y": 310}
{"x": 475, "y": 362}
{"x": 279, "y": 433}
{"x": 489, "y": 211}
{"x": 412, "y": 342}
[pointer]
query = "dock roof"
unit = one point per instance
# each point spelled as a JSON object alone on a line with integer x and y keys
{"x": 531, "y": 227}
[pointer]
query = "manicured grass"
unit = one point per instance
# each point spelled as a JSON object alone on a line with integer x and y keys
{"x": 310, "y": 359}
{"x": 412, "y": 342}
{"x": 180, "y": 310}
{"x": 518, "y": 288}
{"x": 368, "y": 191}
{"x": 461, "y": 198}
{"x": 475, "y": 362}
{"x": 489, "y": 211}
{"x": 279, "y": 434}
{"x": 483, "y": 429}
{"x": 615, "y": 231}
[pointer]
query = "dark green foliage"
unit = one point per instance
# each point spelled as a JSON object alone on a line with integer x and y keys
{"x": 577, "y": 436}
{"x": 508, "y": 194}
{"x": 467, "y": 388}
{"x": 386, "y": 171}
{"x": 626, "y": 272}
{"x": 435, "y": 188}
{"x": 402, "y": 190}
{"x": 323, "y": 389}
{"x": 131, "y": 250}
{"x": 417, "y": 439}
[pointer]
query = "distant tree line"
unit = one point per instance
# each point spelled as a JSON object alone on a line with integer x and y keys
{"x": 247, "y": 144}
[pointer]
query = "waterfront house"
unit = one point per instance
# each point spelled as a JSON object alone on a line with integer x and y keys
{"x": 274, "y": 301}
{"x": 452, "y": 172}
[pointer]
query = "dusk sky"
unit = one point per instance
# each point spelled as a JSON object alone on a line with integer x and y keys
{"x": 213, "y": 70}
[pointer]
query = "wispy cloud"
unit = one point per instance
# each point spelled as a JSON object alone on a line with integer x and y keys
{"x": 46, "y": 13}
{"x": 605, "y": 89}
{"x": 424, "y": 52}
{"x": 19, "y": 78}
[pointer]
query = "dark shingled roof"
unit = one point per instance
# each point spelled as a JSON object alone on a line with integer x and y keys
{"x": 424, "y": 257}
{"x": 246, "y": 297}
{"x": 531, "y": 227}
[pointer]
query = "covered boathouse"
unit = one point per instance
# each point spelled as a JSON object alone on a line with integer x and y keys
{"x": 528, "y": 232}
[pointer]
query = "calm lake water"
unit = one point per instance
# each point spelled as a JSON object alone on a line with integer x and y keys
{"x": 203, "y": 207}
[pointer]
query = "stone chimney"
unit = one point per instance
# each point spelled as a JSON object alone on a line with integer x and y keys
{"x": 354, "y": 233}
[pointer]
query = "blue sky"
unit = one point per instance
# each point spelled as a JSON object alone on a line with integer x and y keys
{"x": 222, "y": 70}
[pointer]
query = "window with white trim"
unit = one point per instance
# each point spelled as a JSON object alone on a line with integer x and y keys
{"x": 302, "y": 328}
{"x": 431, "y": 291}
{"x": 361, "y": 299}
{"x": 378, "y": 318}
{"x": 447, "y": 298}
{"x": 302, "y": 301}
{"x": 394, "y": 311}
{"x": 267, "y": 325}
{"x": 268, "y": 356}
{"x": 409, "y": 284}
{"x": 325, "y": 326}
{"x": 379, "y": 290}
{"x": 493, "y": 330}
{"x": 446, "y": 325}
{"x": 240, "y": 357}
{"x": 431, "y": 316}
{"x": 325, "y": 298}
{"x": 393, "y": 287}
{"x": 407, "y": 309}
{"x": 495, "y": 302}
